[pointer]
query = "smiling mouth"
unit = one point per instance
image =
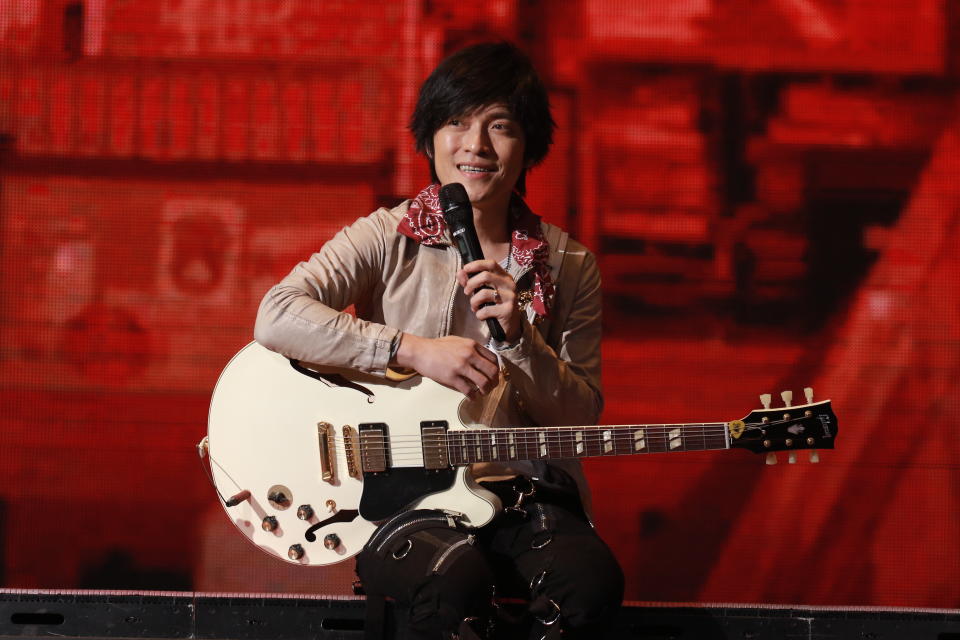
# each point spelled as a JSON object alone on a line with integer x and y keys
{"x": 469, "y": 168}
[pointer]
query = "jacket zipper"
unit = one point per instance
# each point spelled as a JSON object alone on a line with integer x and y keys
{"x": 449, "y": 550}
{"x": 445, "y": 330}
{"x": 387, "y": 532}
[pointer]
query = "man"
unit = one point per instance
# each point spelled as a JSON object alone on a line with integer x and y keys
{"x": 483, "y": 120}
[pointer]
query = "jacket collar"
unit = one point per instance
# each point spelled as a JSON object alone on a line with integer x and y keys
{"x": 424, "y": 223}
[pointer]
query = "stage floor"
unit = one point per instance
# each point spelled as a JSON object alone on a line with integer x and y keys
{"x": 162, "y": 614}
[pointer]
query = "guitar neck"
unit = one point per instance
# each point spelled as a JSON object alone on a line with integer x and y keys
{"x": 552, "y": 443}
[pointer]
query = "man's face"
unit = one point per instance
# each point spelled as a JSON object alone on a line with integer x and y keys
{"x": 483, "y": 151}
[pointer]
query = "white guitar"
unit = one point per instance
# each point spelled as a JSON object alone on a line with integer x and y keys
{"x": 307, "y": 460}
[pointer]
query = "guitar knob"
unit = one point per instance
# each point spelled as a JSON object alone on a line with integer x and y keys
{"x": 331, "y": 541}
{"x": 765, "y": 400}
{"x": 787, "y": 397}
{"x": 305, "y": 512}
{"x": 792, "y": 457}
{"x": 279, "y": 498}
{"x": 814, "y": 456}
{"x": 269, "y": 523}
{"x": 771, "y": 458}
{"x": 295, "y": 552}
{"x": 808, "y": 394}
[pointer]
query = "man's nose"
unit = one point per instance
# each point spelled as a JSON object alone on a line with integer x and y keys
{"x": 477, "y": 139}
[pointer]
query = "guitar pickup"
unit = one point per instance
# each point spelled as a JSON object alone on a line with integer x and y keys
{"x": 374, "y": 447}
{"x": 328, "y": 461}
{"x": 433, "y": 439}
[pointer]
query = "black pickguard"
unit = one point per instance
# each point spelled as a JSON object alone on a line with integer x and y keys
{"x": 385, "y": 494}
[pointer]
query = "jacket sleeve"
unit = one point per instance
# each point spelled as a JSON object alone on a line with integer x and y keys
{"x": 302, "y": 316}
{"x": 560, "y": 385}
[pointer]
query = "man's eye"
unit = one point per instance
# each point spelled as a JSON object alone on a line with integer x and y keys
{"x": 454, "y": 122}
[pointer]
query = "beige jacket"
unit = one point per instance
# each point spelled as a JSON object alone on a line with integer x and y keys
{"x": 397, "y": 284}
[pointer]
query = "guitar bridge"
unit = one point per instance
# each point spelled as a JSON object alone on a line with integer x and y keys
{"x": 351, "y": 447}
{"x": 328, "y": 461}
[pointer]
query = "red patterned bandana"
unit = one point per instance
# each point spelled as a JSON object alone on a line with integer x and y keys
{"x": 424, "y": 223}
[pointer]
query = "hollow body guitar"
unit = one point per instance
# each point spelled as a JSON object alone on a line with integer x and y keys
{"x": 308, "y": 460}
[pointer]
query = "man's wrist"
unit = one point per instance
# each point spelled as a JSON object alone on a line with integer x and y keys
{"x": 395, "y": 347}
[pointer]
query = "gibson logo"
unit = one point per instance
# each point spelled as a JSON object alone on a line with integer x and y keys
{"x": 825, "y": 423}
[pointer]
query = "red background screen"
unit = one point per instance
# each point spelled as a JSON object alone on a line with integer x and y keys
{"x": 771, "y": 188}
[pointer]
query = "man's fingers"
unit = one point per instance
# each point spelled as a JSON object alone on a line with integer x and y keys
{"x": 480, "y": 265}
{"x": 488, "y": 356}
{"x": 491, "y": 297}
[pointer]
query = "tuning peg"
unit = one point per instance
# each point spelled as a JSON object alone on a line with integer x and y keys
{"x": 814, "y": 456}
{"x": 792, "y": 457}
{"x": 765, "y": 400}
{"x": 771, "y": 458}
{"x": 808, "y": 394}
{"x": 787, "y": 398}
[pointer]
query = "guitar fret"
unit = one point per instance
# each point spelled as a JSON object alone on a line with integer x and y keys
{"x": 639, "y": 440}
{"x": 676, "y": 438}
{"x": 531, "y": 445}
{"x": 629, "y": 440}
{"x": 624, "y": 442}
{"x": 594, "y": 447}
{"x": 454, "y": 447}
{"x": 477, "y": 440}
{"x": 526, "y": 446}
{"x": 555, "y": 443}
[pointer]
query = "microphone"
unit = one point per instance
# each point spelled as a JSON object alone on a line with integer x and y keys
{"x": 458, "y": 213}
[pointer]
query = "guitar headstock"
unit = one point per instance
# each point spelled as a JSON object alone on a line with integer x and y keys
{"x": 791, "y": 428}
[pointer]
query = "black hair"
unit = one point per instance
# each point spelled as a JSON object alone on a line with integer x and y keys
{"x": 481, "y": 75}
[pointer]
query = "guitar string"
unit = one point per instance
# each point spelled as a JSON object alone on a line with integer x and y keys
{"x": 537, "y": 437}
{"x": 535, "y": 433}
{"x": 478, "y": 438}
{"x": 540, "y": 435}
{"x": 410, "y": 447}
{"x": 462, "y": 453}
{"x": 653, "y": 443}
{"x": 563, "y": 432}
{"x": 550, "y": 435}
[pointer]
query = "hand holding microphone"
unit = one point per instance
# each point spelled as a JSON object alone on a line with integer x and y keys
{"x": 458, "y": 214}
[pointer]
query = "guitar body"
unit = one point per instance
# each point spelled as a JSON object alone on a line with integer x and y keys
{"x": 308, "y": 460}
{"x": 268, "y": 454}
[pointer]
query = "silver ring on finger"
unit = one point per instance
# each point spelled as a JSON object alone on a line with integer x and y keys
{"x": 496, "y": 296}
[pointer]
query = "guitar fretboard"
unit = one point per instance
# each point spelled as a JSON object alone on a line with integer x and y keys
{"x": 551, "y": 443}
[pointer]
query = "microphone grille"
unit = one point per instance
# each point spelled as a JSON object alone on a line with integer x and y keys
{"x": 454, "y": 196}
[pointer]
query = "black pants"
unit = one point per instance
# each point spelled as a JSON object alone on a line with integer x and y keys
{"x": 544, "y": 552}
